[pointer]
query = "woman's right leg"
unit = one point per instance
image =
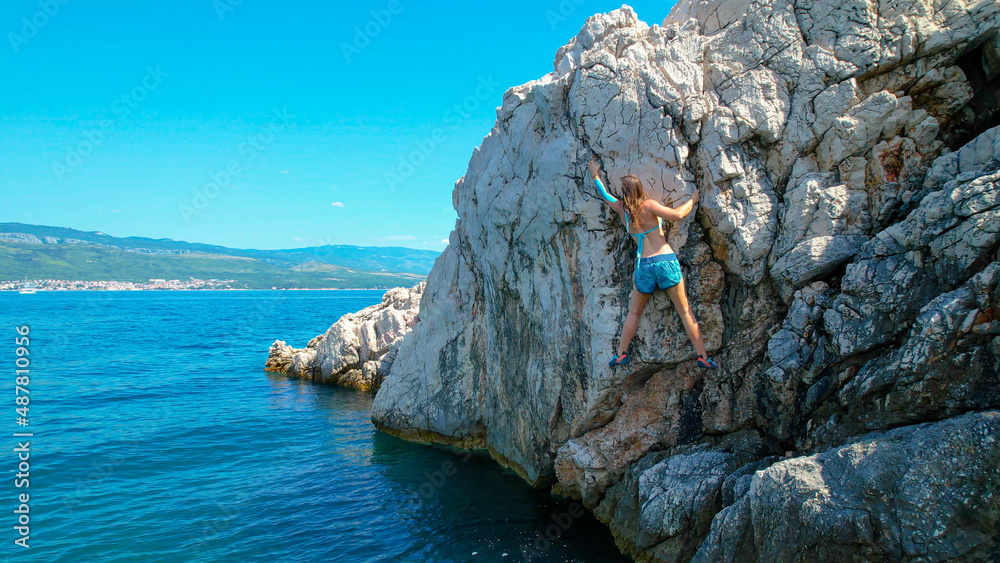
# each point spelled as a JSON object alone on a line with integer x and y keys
{"x": 678, "y": 294}
{"x": 635, "y": 306}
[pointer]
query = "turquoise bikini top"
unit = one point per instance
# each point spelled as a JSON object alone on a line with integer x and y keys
{"x": 639, "y": 236}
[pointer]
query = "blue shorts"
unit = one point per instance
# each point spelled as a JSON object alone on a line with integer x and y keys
{"x": 661, "y": 271}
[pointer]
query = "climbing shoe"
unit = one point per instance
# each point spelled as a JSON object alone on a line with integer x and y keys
{"x": 706, "y": 363}
{"x": 619, "y": 360}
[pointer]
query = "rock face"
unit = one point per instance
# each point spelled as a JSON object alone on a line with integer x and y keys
{"x": 920, "y": 493}
{"x": 358, "y": 350}
{"x": 842, "y": 262}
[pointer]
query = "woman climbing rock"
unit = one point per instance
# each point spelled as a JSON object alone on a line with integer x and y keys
{"x": 656, "y": 264}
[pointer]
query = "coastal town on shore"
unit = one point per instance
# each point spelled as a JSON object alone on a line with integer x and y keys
{"x": 152, "y": 284}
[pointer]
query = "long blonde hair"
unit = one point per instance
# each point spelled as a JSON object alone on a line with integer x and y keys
{"x": 633, "y": 195}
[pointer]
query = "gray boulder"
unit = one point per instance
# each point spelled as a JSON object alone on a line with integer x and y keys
{"x": 927, "y": 492}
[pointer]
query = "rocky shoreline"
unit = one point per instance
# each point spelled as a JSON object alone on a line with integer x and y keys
{"x": 358, "y": 350}
{"x": 843, "y": 262}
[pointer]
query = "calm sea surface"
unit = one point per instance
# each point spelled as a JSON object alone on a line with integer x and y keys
{"x": 159, "y": 437}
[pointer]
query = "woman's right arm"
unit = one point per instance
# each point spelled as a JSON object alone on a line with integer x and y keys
{"x": 674, "y": 213}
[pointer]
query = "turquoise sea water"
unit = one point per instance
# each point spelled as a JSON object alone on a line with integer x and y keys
{"x": 159, "y": 437}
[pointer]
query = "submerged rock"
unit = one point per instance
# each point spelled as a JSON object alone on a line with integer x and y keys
{"x": 358, "y": 350}
{"x": 842, "y": 262}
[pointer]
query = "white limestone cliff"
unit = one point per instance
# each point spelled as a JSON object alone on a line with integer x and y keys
{"x": 842, "y": 261}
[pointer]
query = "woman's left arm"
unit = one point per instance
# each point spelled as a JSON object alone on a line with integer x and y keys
{"x": 595, "y": 171}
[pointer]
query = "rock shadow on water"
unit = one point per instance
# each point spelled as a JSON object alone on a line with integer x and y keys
{"x": 457, "y": 505}
{"x": 443, "y": 492}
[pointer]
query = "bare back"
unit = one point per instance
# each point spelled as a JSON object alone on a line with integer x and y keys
{"x": 655, "y": 242}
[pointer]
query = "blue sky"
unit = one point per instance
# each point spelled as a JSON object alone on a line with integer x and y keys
{"x": 258, "y": 123}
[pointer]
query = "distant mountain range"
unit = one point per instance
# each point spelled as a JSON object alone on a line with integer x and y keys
{"x": 43, "y": 252}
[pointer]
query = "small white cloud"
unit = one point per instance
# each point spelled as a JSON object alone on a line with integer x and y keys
{"x": 337, "y": 204}
{"x": 400, "y": 237}
{"x": 284, "y": 171}
{"x": 445, "y": 241}
{"x": 297, "y": 239}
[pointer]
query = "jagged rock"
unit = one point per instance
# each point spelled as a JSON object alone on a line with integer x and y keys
{"x": 358, "y": 350}
{"x": 953, "y": 232}
{"x": 944, "y": 367}
{"x": 662, "y": 506}
{"x": 587, "y": 465}
{"x": 841, "y": 261}
{"x": 799, "y": 355}
{"x": 669, "y": 503}
{"x": 822, "y": 226}
{"x": 926, "y": 492}
{"x": 280, "y": 357}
